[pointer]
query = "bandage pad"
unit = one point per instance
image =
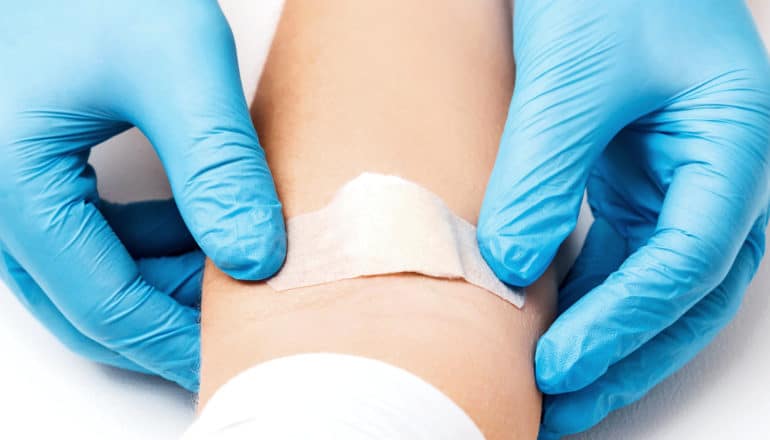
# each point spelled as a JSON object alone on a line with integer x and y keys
{"x": 379, "y": 225}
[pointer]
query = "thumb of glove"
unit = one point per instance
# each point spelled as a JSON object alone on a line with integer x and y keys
{"x": 556, "y": 129}
{"x": 192, "y": 108}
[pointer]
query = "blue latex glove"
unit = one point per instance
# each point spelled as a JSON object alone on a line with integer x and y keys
{"x": 119, "y": 284}
{"x": 662, "y": 109}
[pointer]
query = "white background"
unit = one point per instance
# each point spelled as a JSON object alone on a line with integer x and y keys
{"x": 49, "y": 393}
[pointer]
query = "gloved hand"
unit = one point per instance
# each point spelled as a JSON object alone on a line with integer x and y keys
{"x": 117, "y": 283}
{"x": 662, "y": 108}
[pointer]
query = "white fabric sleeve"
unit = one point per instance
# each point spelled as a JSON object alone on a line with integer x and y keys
{"x": 330, "y": 396}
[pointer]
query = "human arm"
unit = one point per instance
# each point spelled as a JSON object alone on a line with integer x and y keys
{"x": 343, "y": 93}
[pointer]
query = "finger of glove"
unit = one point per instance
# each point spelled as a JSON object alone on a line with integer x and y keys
{"x": 622, "y": 223}
{"x": 53, "y": 228}
{"x": 178, "y": 276}
{"x": 631, "y": 378}
{"x": 193, "y": 110}
{"x": 570, "y": 99}
{"x": 603, "y": 252}
{"x": 149, "y": 228}
{"x": 700, "y": 228}
{"x": 40, "y": 306}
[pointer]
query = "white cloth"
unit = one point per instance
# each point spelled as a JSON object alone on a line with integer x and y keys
{"x": 325, "y": 396}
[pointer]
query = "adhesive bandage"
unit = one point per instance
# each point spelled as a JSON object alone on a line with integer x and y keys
{"x": 377, "y": 225}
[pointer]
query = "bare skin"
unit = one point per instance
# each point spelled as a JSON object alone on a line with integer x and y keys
{"x": 416, "y": 89}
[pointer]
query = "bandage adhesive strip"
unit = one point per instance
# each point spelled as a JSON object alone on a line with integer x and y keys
{"x": 378, "y": 225}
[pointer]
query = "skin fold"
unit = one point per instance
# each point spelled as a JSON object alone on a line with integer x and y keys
{"x": 345, "y": 90}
